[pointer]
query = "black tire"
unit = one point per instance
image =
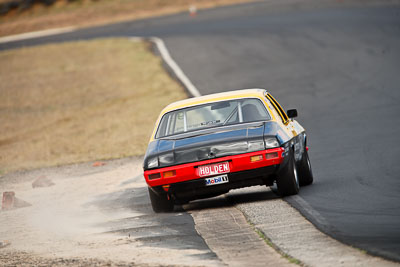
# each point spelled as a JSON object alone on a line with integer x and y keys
{"x": 287, "y": 180}
{"x": 304, "y": 170}
{"x": 161, "y": 202}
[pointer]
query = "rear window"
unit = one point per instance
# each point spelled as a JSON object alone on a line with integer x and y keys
{"x": 212, "y": 115}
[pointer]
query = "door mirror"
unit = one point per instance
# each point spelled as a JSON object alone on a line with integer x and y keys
{"x": 292, "y": 113}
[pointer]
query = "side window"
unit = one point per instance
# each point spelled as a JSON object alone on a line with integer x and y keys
{"x": 253, "y": 110}
{"x": 279, "y": 109}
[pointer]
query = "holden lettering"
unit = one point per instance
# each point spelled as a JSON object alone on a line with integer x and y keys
{"x": 213, "y": 169}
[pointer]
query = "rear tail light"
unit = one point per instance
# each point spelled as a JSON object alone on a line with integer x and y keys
{"x": 169, "y": 174}
{"x": 166, "y": 187}
{"x": 272, "y": 155}
{"x": 256, "y": 158}
{"x": 154, "y": 176}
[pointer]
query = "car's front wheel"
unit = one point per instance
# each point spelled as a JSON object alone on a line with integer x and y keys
{"x": 288, "y": 180}
{"x": 161, "y": 202}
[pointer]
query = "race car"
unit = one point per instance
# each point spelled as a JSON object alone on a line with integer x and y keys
{"x": 205, "y": 146}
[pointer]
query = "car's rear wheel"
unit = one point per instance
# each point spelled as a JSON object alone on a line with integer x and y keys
{"x": 161, "y": 202}
{"x": 304, "y": 170}
{"x": 287, "y": 180}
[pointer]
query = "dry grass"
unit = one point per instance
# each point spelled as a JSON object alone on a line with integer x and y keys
{"x": 89, "y": 13}
{"x": 79, "y": 101}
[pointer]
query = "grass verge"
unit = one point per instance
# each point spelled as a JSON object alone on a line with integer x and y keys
{"x": 88, "y": 13}
{"x": 80, "y": 101}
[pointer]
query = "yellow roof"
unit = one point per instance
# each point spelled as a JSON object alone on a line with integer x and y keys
{"x": 213, "y": 98}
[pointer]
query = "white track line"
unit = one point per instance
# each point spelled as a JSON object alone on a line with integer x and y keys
{"x": 31, "y": 35}
{"x": 166, "y": 56}
{"x": 175, "y": 67}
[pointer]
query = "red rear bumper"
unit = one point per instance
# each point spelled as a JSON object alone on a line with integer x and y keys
{"x": 237, "y": 163}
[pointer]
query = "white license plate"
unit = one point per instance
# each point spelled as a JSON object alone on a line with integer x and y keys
{"x": 222, "y": 179}
{"x": 213, "y": 169}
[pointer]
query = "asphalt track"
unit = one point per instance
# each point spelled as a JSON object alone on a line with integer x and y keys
{"x": 339, "y": 65}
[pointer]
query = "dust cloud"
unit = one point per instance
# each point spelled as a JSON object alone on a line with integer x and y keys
{"x": 92, "y": 212}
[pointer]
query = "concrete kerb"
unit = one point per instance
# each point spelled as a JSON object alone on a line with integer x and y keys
{"x": 293, "y": 235}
